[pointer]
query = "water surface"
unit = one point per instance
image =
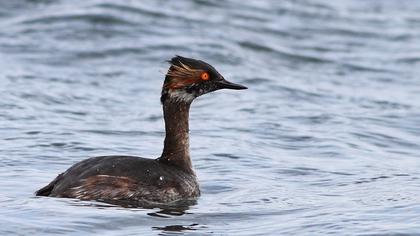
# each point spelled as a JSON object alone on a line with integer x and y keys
{"x": 324, "y": 141}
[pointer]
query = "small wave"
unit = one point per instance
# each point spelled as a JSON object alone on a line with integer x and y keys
{"x": 93, "y": 18}
{"x": 116, "y": 132}
{"x": 130, "y": 9}
{"x": 283, "y": 53}
{"x": 409, "y": 59}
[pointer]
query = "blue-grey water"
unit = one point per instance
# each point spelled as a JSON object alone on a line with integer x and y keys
{"x": 324, "y": 141}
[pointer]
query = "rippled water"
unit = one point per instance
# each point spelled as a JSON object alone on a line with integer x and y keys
{"x": 326, "y": 140}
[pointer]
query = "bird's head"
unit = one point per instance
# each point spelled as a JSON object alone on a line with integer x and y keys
{"x": 188, "y": 78}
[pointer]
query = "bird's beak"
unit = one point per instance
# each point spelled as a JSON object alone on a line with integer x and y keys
{"x": 224, "y": 84}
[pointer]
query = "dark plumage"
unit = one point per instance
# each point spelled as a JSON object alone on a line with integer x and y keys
{"x": 123, "y": 178}
{"x": 185, "y": 75}
{"x": 148, "y": 182}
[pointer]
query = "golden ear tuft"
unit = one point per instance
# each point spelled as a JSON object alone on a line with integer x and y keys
{"x": 205, "y": 76}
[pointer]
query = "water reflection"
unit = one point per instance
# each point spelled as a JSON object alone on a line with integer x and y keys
{"x": 176, "y": 228}
{"x": 325, "y": 142}
{"x": 177, "y": 208}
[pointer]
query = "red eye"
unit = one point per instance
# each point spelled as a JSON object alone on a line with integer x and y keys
{"x": 205, "y": 76}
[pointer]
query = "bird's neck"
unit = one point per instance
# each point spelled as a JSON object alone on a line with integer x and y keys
{"x": 176, "y": 150}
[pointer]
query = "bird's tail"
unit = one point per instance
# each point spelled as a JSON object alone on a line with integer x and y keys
{"x": 46, "y": 191}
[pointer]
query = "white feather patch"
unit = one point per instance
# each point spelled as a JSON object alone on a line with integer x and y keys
{"x": 181, "y": 96}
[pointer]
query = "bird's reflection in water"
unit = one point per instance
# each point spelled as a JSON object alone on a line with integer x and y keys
{"x": 175, "y": 209}
{"x": 176, "y": 228}
{"x": 178, "y": 208}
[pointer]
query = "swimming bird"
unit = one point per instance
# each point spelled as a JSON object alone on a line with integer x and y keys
{"x": 144, "y": 181}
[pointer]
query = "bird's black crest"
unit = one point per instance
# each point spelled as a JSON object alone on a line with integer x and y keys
{"x": 193, "y": 63}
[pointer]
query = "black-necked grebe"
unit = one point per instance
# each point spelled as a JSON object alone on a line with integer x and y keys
{"x": 148, "y": 181}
